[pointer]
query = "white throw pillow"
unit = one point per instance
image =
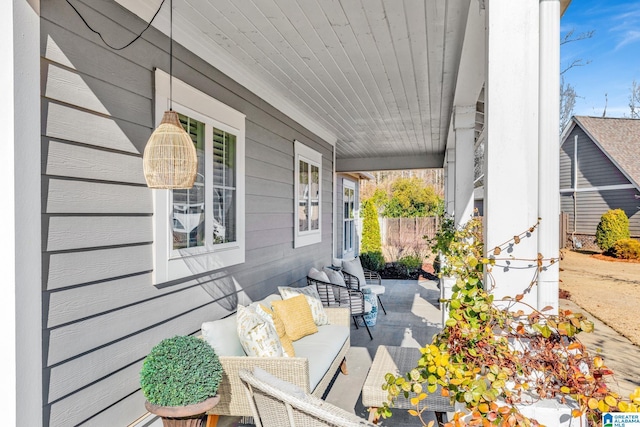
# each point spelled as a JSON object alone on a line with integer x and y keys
{"x": 354, "y": 268}
{"x": 313, "y": 299}
{"x": 334, "y": 276}
{"x": 257, "y": 335}
{"x": 316, "y": 274}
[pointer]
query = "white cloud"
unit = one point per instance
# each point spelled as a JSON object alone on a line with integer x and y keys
{"x": 630, "y": 36}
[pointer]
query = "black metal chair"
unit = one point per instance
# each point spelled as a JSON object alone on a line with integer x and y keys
{"x": 373, "y": 282}
{"x": 333, "y": 295}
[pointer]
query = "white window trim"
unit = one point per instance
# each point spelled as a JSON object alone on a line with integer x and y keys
{"x": 169, "y": 264}
{"x": 309, "y": 237}
{"x": 347, "y": 183}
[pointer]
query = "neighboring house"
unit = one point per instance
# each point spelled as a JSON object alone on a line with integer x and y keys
{"x": 286, "y": 103}
{"x": 599, "y": 171}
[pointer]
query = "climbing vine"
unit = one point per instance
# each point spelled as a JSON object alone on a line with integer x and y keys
{"x": 492, "y": 359}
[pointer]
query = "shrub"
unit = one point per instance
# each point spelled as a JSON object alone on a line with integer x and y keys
{"x": 613, "y": 226}
{"x": 625, "y": 249}
{"x": 371, "y": 240}
{"x": 180, "y": 371}
{"x": 372, "y": 261}
{"x": 411, "y": 262}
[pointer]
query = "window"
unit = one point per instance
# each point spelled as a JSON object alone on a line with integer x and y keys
{"x": 349, "y": 229}
{"x": 308, "y": 190}
{"x": 201, "y": 229}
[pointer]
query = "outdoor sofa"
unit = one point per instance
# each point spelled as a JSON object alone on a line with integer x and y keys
{"x": 317, "y": 358}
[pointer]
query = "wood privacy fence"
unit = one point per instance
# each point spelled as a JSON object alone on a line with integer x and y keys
{"x": 406, "y": 236}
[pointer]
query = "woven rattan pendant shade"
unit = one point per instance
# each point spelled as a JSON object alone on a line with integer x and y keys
{"x": 170, "y": 159}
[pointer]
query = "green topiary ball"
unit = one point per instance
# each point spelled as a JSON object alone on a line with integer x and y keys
{"x": 180, "y": 371}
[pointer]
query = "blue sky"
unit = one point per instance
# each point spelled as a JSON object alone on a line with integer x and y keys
{"x": 613, "y": 52}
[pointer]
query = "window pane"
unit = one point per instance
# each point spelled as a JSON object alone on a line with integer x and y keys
{"x": 224, "y": 191}
{"x": 224, "y": 159}
{"x": 188, "y": 205}
{"x": 315, "y": 198}
{"x": 303, "y": 196}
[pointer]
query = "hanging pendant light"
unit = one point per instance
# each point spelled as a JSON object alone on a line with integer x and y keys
{"x": 170, "y": 160}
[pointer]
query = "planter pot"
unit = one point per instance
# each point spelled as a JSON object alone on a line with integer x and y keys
{"x": 183, "y": 416}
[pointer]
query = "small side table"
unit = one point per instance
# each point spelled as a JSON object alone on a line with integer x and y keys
{"x": 398, "y": 361}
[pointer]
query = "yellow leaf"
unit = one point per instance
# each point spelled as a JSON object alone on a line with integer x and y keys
{"x": 565, "y": 389}
{"x": 415, "y": 401}
{"x": 576, "y": 413}
{"x": 592, "y": 403}
{"x": 603, "y": 407}
{"x": 598, "y": 362}
{"x": 610, "y": 400}
{"x": 413, "y": 412}
{"x": 623, "y": 406}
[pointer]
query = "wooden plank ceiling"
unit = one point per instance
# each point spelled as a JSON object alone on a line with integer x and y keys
{"x": 375, "y": 77}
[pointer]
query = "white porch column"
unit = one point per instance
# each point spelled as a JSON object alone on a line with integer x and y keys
{"x": 548, "y": 151}
{"x": 511, "y": 125}
{"x": 464, "y": 122}
{"x": 20, "y": 263}
{"x": 449, "y": 181}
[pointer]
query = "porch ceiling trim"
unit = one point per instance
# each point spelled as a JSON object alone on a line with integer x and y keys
{"x": 425, "y": 161}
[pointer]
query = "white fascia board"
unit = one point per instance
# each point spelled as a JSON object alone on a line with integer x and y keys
{"x": 567, "y": 131}
{"x": 188, "y": 36}
{"x": 599, "y": 189}
{"x": 426, "y": 161}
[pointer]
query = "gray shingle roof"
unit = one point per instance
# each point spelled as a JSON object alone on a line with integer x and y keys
{"x": 620, "y": 140}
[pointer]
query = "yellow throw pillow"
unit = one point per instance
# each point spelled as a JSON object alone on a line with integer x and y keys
{"x": 296, "y": 316}
{"x": 313, "y": 299}
{"x": 285, "y": 340}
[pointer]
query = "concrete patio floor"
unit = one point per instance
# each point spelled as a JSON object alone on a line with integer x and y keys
{"x": 413, "y": 317}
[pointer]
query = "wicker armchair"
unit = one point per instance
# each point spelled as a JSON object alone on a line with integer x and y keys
{"x": 333, "y": 295}
{"x": 277, "y": 403}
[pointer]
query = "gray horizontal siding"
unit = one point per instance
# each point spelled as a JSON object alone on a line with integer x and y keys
{"x": 594, "y": 170}
{"x": 591, "y": 205}
{"x": 101, "y": 312}
{"x": 594, "y": 167}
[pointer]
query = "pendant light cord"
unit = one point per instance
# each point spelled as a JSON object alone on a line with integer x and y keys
{"x": 100, "y": 34}
{"x": 170, "y": 54}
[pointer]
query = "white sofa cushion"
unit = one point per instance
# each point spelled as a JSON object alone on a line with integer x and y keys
{"x": 321, "y": 349}
{"x": 222, "y": 335}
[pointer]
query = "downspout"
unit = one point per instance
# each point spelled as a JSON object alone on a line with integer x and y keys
{"x": 575, "y": 190}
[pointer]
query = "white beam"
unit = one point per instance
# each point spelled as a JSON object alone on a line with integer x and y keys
{"x": 20, "y": 263}
{"x": 548, "y": 152}
{"x": 471, "y": 75}
{"x": 511, "y": 155}
{"x": 424, "y": 161}
{"x": 464, "y": 128}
